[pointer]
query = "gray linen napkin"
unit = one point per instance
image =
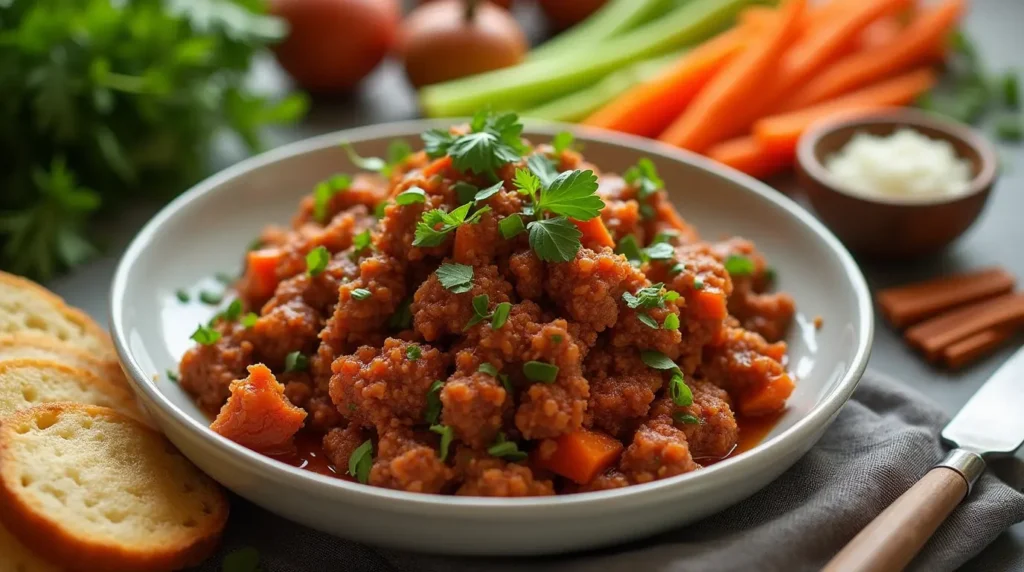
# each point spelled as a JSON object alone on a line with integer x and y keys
{"x": 881, "y": 443}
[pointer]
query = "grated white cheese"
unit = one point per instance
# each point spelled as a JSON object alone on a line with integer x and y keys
{"x": 905, "y": 164}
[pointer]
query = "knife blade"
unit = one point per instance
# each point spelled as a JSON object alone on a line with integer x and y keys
{"x": 992, "y": 421}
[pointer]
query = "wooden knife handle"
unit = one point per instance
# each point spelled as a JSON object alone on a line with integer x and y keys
{"x": 892, "y": 540}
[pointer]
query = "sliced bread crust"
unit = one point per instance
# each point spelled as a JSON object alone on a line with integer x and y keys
{"x": 43, "y": 346}
{"x": 27, "y": 382}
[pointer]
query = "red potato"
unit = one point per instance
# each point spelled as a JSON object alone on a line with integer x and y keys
{"x": 566, "y": 13}
{"x": 333, "y": 44}
{"x": 449, "y": 39}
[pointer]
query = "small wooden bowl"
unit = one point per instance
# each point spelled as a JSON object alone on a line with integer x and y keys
{"x": 887, "y": 227}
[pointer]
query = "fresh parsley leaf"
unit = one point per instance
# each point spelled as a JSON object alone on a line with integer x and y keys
{"x": 456, "y": 278}
{"x": 205, "y": 335}
{"x": 412, "y": 196}
{"x": 183, "y": 296}
{"x": 645, "y": 298}
{"x": 413, "y": 352}
{"x": 447, "y": 435}
{"x": 480, "y": 305}
{"x": 670, "y": 296}
{"x": 679, "y": 391}
{"x": 381, "y": 209}
{"x": 488, "y": 368}
{"x": 427, "y": 231}
{"x": 361, "y": 242}
{"x": 316, "y": 260}
{"x": 657, "y": 360}
{"x": 540, "y": 371}
{"x": 361, "y": 461}
{"x": 465, "y": 192}
{"x": 507, "y": 450}
{"x": 233, "y": 311}
{"x": 487, "y": 193}
{"x": 325, "y": 190}
{"x": 172, "y": 376}
{"x": 249, "y": 320}
{"x": 295, "y": 361}
{"x": 436, "y": 142}
{"x": 542, "y": 167}
{"x": 526, "y": 183}
{"x": 211, "y": 298}
{"x": 511, "y": 226}
{"x": 645, "y": 178}
{"x": 375, "y": 164}
{"x": 500, "y": 315}
{"x": 402, "y": 318}
{"x": 629, "y": 248}
{"x": 571, "y": 194}
{"x": 647, "y": 321}
{"x": 671, "y": 322}
{"x": 432, "y": 412}
{"x": 398, "y": 151}
{"x": 494, "y": 140}
{"x": 562, "y": 141}
{"x": 667, "y": 235}
{"x": 554, "y": 239}
{"x": 660, "y": 251}
{"x": 739, "y": 265}
{"x": 698, "y": 283}
{"x": 676, "y": 269}
{"x": 361, "y": 294}
{"x": 686, "y": 419}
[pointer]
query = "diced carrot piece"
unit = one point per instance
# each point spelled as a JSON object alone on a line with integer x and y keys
{"x": 595, "y": 234}
{"x": 582, "y": 455}
{"x": 710, "y": 304}
{"x": 769, "y": 398}
{"x": 435, "y": 167}
{"x": 257, "y": 415}
{"x": 667, "y": 213}
{"x": 261, "y": 272}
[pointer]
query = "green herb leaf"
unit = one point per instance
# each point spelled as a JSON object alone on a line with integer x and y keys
{"x": 488, "y": 192}
{"x": 480, "y": 306}
{"x": 739, "y": 265}
{"x": 398, "y": 151}
{"x": 211, "y": 298}
{"x": 413, "y": 353}
{"x": 249, "y": 320}
{"x": 436, "y": 142}
{"x": 361, "y": 461}
{"x": 543, "y": 168}
{"x": 361, "y": 294}
{"x": 447, "y": 434}
{"x": 687, "y": 419}
{"x": 205, "y": 335}
{"x": 676, "y": 269}
{"x": 172, "y": 376}
{"x": 540, "y": 371}
{"x": 489, "y": 369}
{"x": 671, "y": 322}
{"x": 647, "y": 321}
{"x": 679, "y": 391}
{"x": 500, "y": 315}
{"x": 660, "y": 251}
{"x": 361, "y": 241}
{"x": 433, "y": 410}
{"x": 427, "y": 231}
{"x": 183, "y": 296}
{"x": 645, "y": 298}
{"x": 412, "y": 196}
{"x": 507, "y": 450}
{"x": 316, "y": 260}
{"x": 295, "y": 361}
{"x": 657, "y": 360}
{"x": 224, "y": 278}
{"x": 1011, "y": 90}
{"x": 402, "y": 318}
{"x": 562, "y": 141}
{"x": 511, "y": 226}
{"x": 493, "y": 141}
{"x": 667, "y": 235}
{"x": 526, "y": 183}
{"x": 375, "y": 164}
{"x": 325, "y": 190}
{"x": 698, "y": 283}
{"x": 572, "y": 194}
{"x": 645, "y": 178}
{"x": 233, "y": 311}
{"x": 381, "y": 209}
{"x": 554, "y": 239}
{"x": 465, "y": 192}
{"x": 456, "y": 278}
{"x": 629, "y": 248}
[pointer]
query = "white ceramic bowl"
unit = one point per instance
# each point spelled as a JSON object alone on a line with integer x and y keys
{"x": 207, "y": 229}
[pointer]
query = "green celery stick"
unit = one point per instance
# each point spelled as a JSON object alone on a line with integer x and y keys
{"x": 580, "y": 104}
{"x": 1011, "y": 90}
{"x": 615, "y": 17}
{"x": 525, "y": 85}
{"x": 1009, "y": 128}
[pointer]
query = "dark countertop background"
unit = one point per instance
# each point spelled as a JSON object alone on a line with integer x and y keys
{"x": 996, "y": 239}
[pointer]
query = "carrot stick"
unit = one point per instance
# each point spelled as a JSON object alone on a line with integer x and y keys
{"x": 914, "y": 46}
{"x": 746, "y": 154}
{"x": 935, "y": 334}
{"x": 582, "y": 455}
{"x": 779, "y": 133}
{"x": 647, "y": 108}
{"x": 904, "y": 305}
{"x": 595, "y": 233}
{"x": 704, "y": 122}
{"x": 880, "y": 33}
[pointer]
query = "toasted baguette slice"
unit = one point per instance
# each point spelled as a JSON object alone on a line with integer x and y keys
{"x": 16, "y": 557}
{"x": 44, "y": 346}
{"x": 27, "y": 306}
{"x": 27, "y": 382}
{"x": 96, "y": 490}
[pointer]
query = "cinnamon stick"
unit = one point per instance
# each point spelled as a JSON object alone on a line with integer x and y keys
{"x": 971, "y": 348}
{"x": 905, "y": 305}
{"x": 935, "y": 334}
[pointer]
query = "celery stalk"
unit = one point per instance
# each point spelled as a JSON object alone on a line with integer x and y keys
{"x": 615, "y": 17}
{"x": 579, "y": 104}
{"x": 525, "y": 85}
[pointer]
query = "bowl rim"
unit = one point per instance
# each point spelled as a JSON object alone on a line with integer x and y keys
{"x": 808, "y": 143}
{"x": 400, "y": 501}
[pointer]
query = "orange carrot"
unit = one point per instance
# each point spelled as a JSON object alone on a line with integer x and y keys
{"x": 779, "y": 133}
{"x": 595, "y": 234}
{"x": 769, "y": 398}
{"x": 746, "y": 154}
{"x": 666, "y": 212}
{"x": 704, "y": 122}
{"x": 710, "y": 304}
{"x": 882, "y": 32}
{"x": 914, "y": 46}
{"x": 582, "y": 455}
{"x": 436, "y": 166}
{"x": 647, "y": 108}
{"x": 261, "y": 271}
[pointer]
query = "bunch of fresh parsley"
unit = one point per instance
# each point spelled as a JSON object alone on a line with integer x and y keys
{"x": 106, "y": 101}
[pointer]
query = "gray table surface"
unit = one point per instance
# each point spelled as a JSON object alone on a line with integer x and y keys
{"x": 996, "y": 239}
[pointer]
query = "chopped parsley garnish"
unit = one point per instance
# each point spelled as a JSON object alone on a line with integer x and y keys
{"x": 436, "y": 224}
{"x": 465, "y": 192}
{"x": 233, "y": 311}
{"x": 676, "y": 269}
{"x": 295, "y": 361}
{"x": 629, "y": 248}
{"x": 562, "y": 141}
{"x": 447, "y": 434}
{"x": 487, "y": 193}
{"x": 249, "y": 320}
{"x": 647, "y": 321}
{"x": 361, "y": 242}
{"x": 671, "y": 322}
{"x": 660, "y": 251}
{"x": 505, "y": 449}
{"x": 361, "y": 294}
{"x": 488, "y": 368}
{"x": 481, "y": 304}
{"x": 183, "y": 296}
{"x": 677, "y": 388}
{"x": 494, "y": 140}
{"x": 571, "y": 194}
{"x": 398, "y": 151}
{"x": 667, "y": 235}
{"x": 526, "y": 183}
{"x": 511, "y": 226}
{"x": 361, "y": 461}
{"x": 540, "y": 371}
{"x": 402, "y": 318}
{"x": 687, "y": 419}
{"x": 698, "y": 283}
{"x": 492, "y": 371}
{"x": 380, "y": 210}
{"x": 646, "y": 298}
{"x": 316, "y": 260}
{"x": 173, "y": 376}
{"x": 739, "y": 265}
{"x": 554, "y": 239}
{"x": 433, "y": 410}
{"x": 500, "y": 315}
{"x": 771, "y": 275}
{"x": 205, "y": 335}
{"x": 542, "y": 167}
{"x": 411, "y": 196}
{"x": 645, "y": 178}
{"x": 456, "y": 278}
{"x": 657, "y": 360}
{"x": 211, "y": 298}
{"x": 325, "y": 190}
{"x": 413, "y": 353}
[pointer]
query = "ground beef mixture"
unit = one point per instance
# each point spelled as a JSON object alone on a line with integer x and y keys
{"x": 447, "y": 355}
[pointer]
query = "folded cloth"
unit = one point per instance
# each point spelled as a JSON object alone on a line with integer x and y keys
{"x": 884, "y": 439}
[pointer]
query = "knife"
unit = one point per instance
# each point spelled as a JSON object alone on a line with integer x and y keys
{"x": 989, "y": 425}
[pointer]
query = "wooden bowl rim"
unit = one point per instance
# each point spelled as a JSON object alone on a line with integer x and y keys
{"x": 951, "y": 130}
